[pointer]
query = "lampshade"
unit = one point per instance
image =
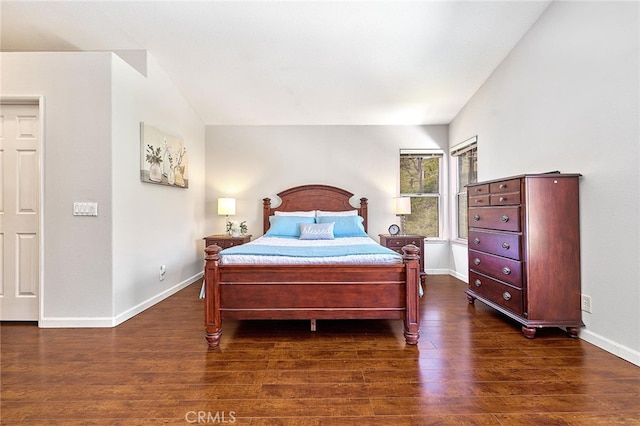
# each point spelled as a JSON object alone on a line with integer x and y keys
{"x": 401, "y": 206}
{"x": 226, "y": 206}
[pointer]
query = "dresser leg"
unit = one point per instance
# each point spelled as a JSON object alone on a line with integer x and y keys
{"x": 471, "y": 299}
{"x": 529, "y": 332}
{"x": 573, "y": 331}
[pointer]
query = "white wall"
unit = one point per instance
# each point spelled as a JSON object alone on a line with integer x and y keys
{"x": 153, "y": 225}
{"x": 96, "y": 270}
{"x": 254, "y": 162}
{"x": 567, "y": 98}
{"x": 77, "y": 263}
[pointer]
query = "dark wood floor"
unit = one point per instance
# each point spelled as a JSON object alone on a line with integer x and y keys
{"x": 472, "y": 366}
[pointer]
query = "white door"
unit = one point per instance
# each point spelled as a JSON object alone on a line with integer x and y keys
{"x": 19, "y": 211}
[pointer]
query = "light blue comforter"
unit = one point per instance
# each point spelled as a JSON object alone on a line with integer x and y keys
{"x": 308, "y": 251}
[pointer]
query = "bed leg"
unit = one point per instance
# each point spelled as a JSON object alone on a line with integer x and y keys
{"x": 411, "y": 258}
{"x": 212, "y": 320}
{"x": 313, "y": 325}
{"x": 213, "y": 339}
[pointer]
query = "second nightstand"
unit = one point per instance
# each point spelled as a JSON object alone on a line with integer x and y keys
{"x": 396, "y": 242}
{"x": 226, "y": 241}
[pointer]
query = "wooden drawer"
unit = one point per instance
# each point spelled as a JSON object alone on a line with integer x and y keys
{"x": 225, "y": 241}
{"x": 499, "y": 243}
{"x": 500, "y": 293}
{"x": 511, "y": 185}
{"x": 505, "y": 199}
{"x": 396, "y": 244}
{"x": 399, "y": 242}
{"x": 482, "y": 200}
{"x": 499, "y": 218}
{"x": 476, "y": 190}
{"x": 502, "y": 268}
{"x": 416, "y": 242}
{"x": 229, "y": 243}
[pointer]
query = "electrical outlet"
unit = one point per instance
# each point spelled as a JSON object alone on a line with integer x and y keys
{"x": 586, "y": 303}
{"x": 163, "y": 271}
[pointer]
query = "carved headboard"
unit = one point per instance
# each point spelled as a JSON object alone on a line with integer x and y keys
{"x": 313, "y": 197}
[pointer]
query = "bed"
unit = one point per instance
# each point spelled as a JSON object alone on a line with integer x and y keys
{"x": 324, "y": 290}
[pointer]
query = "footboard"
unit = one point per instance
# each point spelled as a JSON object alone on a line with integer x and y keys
{"x": 311, "y": 292}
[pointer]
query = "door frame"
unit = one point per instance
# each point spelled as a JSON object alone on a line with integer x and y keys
{"x": 39, "y": 101}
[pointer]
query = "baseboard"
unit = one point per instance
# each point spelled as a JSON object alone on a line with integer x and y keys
{"x": 436, "y": 271}
{"x": 588, "y": 336}
{"x": 76, "y": 322}
{"x": 458, "y": 275}
{"x": 106, "y": 322}
{"x": 610, "y": 346}
{"x": 130, "y": 313}
{"x": 454, "y": 274}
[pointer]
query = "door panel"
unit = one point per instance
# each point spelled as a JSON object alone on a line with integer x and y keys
{"x": 19, "y": 211}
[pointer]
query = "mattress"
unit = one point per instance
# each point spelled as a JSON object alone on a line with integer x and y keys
{"x": 294, "y": 251}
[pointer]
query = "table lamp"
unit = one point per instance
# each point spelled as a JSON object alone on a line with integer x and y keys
{"x": 226, "y": 207}
{"x": 402, "y": 207}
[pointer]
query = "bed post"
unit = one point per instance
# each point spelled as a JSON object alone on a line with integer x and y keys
{"x": 266, "y": 212}
{"x": 411, "y": 256}
{"x": 212, "y": 324}
{"x": 363, "y": 212}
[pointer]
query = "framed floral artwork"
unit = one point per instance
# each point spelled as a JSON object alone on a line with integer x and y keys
{"x": 163, "y": 157}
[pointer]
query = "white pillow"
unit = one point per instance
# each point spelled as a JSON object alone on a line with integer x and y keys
{"x": 316, "y": 231}
{"x": 343, "y": 213}
{"x": 311, "y": 213}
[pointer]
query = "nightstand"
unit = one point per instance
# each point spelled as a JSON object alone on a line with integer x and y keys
{"x": 226, "y": 241}
{"x": 396, "y": 242}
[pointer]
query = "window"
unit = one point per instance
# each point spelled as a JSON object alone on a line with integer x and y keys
{"x": 420, "y": 180}
{"x": 466, "y": 154}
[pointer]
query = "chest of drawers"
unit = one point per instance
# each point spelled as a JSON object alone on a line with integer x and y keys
{"x": 524, "y": 249}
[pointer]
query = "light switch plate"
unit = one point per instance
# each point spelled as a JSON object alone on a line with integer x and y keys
{"x": 85, "y": 208}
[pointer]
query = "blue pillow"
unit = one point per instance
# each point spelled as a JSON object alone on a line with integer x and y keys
{"x": 286, "y": 226}
{"x": 345, "y": 226}
{"x": 316, "y": 231}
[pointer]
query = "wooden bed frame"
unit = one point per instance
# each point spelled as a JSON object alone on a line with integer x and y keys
{"x": 374, "y": 291}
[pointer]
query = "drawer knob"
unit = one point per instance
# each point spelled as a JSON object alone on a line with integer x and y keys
{"x": 506, "y": 295}
{"x": 506, "y": 270}
{"x": 502, "y": 199}
{"x": 476, "y": 217}
{"x": 478, "y": 283}
{"x": 506, "y": 246}
{"x": 503, "y": 185}
{"x": 505, "y": 218}
{"x": 476, "y": 240}
{"x": 476, "y": 261}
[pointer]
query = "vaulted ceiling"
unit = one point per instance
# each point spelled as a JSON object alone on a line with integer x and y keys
{"x": 294, "y": 62}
